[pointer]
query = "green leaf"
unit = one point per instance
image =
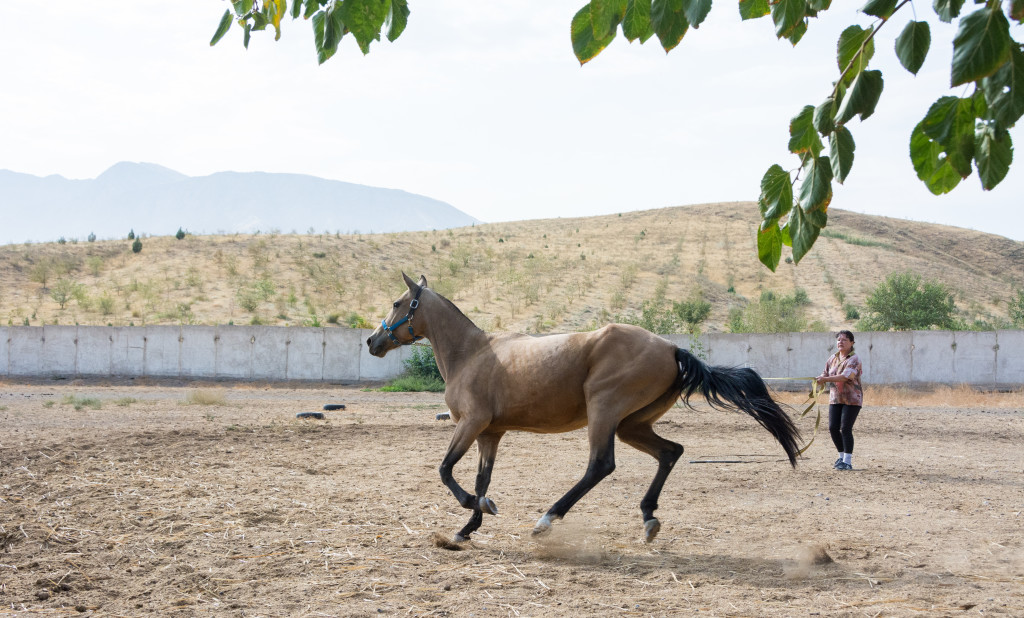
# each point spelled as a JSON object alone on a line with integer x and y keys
{"x": 931, "y": 163}
{"x": 312, "y": 6}
{"x": 879, "y": 8}
{"x": 787, "y": 14}
{"x": 296, "y": 8}
{"x": 981, "y": 45}
{"x": 824, "y": 116}
{"x": 605, "y": 16}
{"x": 819, "y": 5}
{"x": 222, "y": 27}
{"x": 994, "y": 152}
{"x": 584, "y": 45}
{"x": 786, "y": 238}
{"x": 1017, "y": 10}
{"x": 637, "y": 22}
{"x": 327, "y": 32}
{"x": 816, "y": 186}
{"x": 950, "y": 123}
{"x": 398, "y": 18}
{"x": 862, "y": 97}
{"x": 246, "y": 35}
{"x": 364, "y": 19}
{"x": 696, "y": 11}
{"x": 840, "y": 154}
{"x": 802, "y": 135}
{"x": 803, "y": 231}
{"x": 1004, "y": 90}
{"x": 753, "y": 9}
{"x": 776, "y": 197}
{"x": 669, "y": 22}
{"x": 912, "y": 45}
{"x": 797, "y": 32}
{"x": 769, "y": 246}
{"x": 849, "y": 54}
{"x": 947, "y": 9}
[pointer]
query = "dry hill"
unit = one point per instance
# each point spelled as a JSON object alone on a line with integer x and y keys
{"x": 534, "y": 276}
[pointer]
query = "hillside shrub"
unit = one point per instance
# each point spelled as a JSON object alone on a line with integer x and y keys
{"x": 180, "y": 234}
{"x": 1016, "y": 309}
{"x": 137, "y": 246}
{"x": 692, "y": 312}
{"x": 773, "y": 314}
{"x": 905, "y": 302}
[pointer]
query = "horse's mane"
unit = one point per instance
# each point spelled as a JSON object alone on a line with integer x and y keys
{"x": 458, "y": 311}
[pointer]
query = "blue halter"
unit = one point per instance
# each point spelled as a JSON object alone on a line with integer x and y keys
{"x": 408, "y": 318}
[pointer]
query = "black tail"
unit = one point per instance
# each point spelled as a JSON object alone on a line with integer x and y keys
{"x": 737, "y": 388}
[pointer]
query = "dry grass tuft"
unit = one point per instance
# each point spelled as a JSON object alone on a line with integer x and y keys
{"x": 203, "y": 397}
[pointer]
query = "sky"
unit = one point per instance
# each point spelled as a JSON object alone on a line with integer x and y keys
{"x": 478, "y": 104}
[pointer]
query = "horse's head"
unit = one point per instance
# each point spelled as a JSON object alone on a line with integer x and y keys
{"x": 398, "y": 328}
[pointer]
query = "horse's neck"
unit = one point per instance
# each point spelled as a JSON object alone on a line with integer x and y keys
{"x": 452, "y": 335}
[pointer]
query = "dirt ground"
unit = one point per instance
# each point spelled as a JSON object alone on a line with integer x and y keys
{"x": 180, "y": 499}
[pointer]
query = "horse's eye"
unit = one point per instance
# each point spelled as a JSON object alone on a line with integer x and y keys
{"x": 395, "y": 305}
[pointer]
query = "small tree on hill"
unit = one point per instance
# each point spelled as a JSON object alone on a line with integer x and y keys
{"x": 180, "y": 234}
{"x": 692, "y": 312}
{"x": 137, "y": 245}
{"x": 905, "y": 302}
{"x": 131, "y": 234}
{"x": 1017, "y": 309}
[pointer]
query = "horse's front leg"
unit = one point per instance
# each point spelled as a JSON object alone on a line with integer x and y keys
{"x": 488, "y": 446}
{"x": 465, "y": 432}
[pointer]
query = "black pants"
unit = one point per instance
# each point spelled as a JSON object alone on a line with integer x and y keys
{"x": 841, "y": 418}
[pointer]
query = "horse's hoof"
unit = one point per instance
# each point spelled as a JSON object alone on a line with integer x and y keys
{"x": 543, "y": 525}
{"x": 460, "y": 539}
{"x": 651, "y": 529}
{"x": 487, "y": 505}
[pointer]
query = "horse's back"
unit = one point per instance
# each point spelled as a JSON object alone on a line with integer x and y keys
{"x": 547, "y": 383}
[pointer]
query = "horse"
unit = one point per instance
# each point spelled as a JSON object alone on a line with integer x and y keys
{"x": 617, "y": 380}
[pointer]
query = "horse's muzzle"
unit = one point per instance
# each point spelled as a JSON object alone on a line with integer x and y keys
{"x": 378, "y": 344}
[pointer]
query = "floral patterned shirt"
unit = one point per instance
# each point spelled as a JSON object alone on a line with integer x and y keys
{"x": 849, "y": 392}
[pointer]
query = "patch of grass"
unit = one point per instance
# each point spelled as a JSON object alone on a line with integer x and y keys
{"x": 3, "y": 408}
{"x": 410, "y": 383}
{"x": 49, "y": 403}
{"x": 124, "y": 402}
{"x": 80, "y": 403}
{"x": 203, "y": 397}
{"x": 854, "y": 240}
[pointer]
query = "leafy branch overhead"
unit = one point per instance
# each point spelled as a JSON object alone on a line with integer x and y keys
{"x": 957, "y": 135}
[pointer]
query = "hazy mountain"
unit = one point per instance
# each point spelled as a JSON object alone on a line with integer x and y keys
{"x": 154, "y": 200}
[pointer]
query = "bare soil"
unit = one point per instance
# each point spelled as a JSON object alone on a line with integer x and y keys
{"x": 150, "y": 505}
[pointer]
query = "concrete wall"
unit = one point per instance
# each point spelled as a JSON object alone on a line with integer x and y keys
{"x": 338, "y": 355}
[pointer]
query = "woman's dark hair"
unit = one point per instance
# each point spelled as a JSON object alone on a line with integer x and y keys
{"x": 848, "y": 334}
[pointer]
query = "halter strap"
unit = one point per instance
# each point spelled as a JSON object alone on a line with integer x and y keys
{"x": 413, "y": 305}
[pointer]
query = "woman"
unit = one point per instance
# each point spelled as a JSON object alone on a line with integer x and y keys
{"x": 842, "y": 372}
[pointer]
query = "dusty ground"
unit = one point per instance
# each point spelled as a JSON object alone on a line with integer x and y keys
{"x": 153, "y": 506}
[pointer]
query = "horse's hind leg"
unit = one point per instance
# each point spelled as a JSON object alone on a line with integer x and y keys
{"x": 602, "y": 463}
{"x": 639, "y": 434}
{"x": 488, "y": 445}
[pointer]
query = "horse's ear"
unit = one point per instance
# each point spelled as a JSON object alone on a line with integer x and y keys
{"x": 423, "y": 281}
{"x": 412, "y": 285}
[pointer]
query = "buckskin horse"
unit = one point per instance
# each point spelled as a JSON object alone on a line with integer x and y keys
{"x": 617, "y": 380}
